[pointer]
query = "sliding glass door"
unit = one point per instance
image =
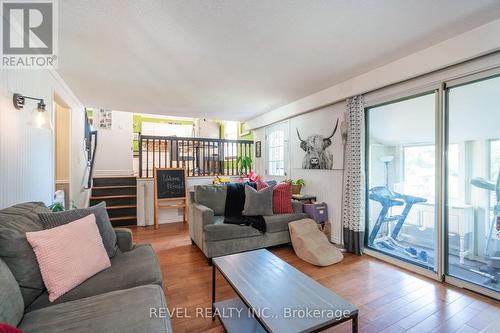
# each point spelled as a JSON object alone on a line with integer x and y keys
{"x": 401, "y": 172}
{"x": 472, "y": 218}
{"x": 433, "y": 182}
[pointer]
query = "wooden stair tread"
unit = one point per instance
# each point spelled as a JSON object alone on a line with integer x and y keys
{"x": 121, "y": 218}
{"x": 110, "y": 187}
{"x": 121, "y": 207}
{"x": 113, "y": 196}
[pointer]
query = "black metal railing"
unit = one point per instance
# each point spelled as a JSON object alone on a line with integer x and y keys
{"x": 199, "y": 156}
{"x": 90, "y": 150}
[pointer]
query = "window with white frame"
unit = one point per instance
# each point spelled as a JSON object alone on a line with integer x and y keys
{"x": 494, "y": 155}
{"x": 277, "y": 149}
{"x": 230, "y": 133}
{"x": 494, "y": 159}
{"x": 230, "y": 130}
{"x": 419, "y": 170}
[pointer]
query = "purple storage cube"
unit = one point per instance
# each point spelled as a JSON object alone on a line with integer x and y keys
{"x": 317, "y": 211}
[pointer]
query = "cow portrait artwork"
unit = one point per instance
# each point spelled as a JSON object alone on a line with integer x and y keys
{"x": 317, "y": 155}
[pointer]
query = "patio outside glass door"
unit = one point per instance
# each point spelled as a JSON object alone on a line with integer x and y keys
{"x": 472, "y": 238}
{"x": 401, "y": 212}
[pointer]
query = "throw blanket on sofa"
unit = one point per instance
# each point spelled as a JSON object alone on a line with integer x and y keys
{"x": 235, "y": 202}
{"x": 235, "y": 199}
{"x": 256, "y": 222}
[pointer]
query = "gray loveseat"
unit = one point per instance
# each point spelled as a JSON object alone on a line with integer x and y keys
{"x": 118, "y": 299}
{"x": 214, "y": 238}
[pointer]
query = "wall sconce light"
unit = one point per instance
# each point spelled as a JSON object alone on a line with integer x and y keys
{"x": 39, "y": 116}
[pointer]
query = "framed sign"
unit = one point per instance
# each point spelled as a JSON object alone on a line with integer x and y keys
{"x": 170, "y": 190}
{"x": 258, "y": 149}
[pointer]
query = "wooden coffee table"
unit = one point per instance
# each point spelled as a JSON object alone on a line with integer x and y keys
{"x": 275, "y": 297}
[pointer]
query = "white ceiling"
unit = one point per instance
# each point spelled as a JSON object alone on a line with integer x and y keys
{"x": 236, "y": 59}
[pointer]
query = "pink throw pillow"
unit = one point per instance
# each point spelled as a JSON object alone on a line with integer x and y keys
{"x": 282, "y": 199}
{"x": 69, "y": 254}
{"x": 260, "y": 184}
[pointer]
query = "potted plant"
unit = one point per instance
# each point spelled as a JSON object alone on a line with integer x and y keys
{"x": 296, "y": 185}
{"x": 244, "y": 164}
{"x": 59, "y": 206}
{"x": 56, "y": 207}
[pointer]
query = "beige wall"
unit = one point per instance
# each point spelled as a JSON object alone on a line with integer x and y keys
{"x": 63, "y": 139}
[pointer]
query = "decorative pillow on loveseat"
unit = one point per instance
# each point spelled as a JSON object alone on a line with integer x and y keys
{"x": 282, "y": 198}
{"x": 69, "y": 254}
{"x": 51, "y": 220}
{"x": 211, "y": 196}
{"x": 261, "y": 184}
{"x": 258, "y": 202}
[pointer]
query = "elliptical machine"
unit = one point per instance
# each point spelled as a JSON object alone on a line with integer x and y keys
{"x": 491, "y": 271}
{"x": 389, "y": 199}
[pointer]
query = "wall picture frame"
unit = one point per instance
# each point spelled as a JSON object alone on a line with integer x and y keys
{"x": 319, "y": 126}
{"x": 258, "y": 149}
{"x": 105, "y": 119}
{"x": 242, "y": 129}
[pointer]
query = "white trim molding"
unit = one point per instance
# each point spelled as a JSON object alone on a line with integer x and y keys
{"x": 403, "y": 264}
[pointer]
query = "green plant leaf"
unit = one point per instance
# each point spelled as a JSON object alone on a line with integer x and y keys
{"x": 56, "y": 207}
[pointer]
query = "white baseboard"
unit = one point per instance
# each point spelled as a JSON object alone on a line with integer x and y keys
{"x": 336, "y": 240}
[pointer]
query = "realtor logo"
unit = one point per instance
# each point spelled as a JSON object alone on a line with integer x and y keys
{"x": 29, "y": 34}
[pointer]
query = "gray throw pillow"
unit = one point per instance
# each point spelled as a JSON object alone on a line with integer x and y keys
{"x": 15, "y": 250}
{"x": 211, "y": 196}
{"x": 258, "y": 202}
{"x": 52, "y": 220}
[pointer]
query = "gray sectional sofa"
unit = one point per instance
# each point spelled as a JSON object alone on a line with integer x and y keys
{"x": 118, "y": 299}
{"x": 214, "y": 238}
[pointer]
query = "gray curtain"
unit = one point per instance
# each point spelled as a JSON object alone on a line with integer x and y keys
{"x": 353, "y": 204}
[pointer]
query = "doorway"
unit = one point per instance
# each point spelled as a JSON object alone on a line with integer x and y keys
{"x": 433, "y": 182}
{"x": 62, "y": 133}
{"x": 401, "y": 214}
{"x": 472, "y": 242}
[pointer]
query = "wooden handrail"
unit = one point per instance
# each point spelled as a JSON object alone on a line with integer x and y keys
{"x": 179, "y": 138}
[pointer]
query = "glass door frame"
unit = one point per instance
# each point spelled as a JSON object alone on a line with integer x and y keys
{"x": 435, "y": 89}
{"x": 441, "y": 86}
{"x": 447, "y": 85}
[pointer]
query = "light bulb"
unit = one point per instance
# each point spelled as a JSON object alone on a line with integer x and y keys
{"x": 40, "y": 118}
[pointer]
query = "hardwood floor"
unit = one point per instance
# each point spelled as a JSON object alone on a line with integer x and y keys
{"x": 389, "y": 298}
